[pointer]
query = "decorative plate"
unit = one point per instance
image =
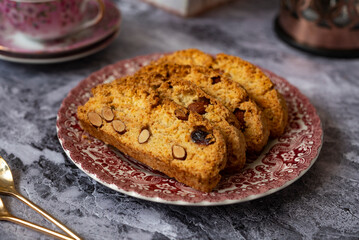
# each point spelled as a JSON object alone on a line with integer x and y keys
{"x": 11, "y": 41}
{"x": 69, "y": 56}
{"x": 283, "y": 161}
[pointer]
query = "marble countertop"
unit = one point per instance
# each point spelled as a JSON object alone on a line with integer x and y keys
{"x": 323, "y": 204}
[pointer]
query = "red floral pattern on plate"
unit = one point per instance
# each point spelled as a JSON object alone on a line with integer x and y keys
{"x": 283, "y": 161}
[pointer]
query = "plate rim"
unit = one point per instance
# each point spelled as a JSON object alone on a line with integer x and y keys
{"x": 202, "y": 202}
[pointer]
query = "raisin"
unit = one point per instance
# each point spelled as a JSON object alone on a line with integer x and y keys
{"x": 202, "y": 137}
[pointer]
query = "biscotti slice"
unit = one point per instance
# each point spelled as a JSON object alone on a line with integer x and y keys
{"x": 227, "y": 92}
{"x": 142, "y": 125}
{"x": 259, "y": 87}
{"x": 194, "y": 99}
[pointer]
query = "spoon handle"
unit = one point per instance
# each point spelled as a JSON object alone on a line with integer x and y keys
{"x": 46, "y": 215}
{"x": 36, "y": 227}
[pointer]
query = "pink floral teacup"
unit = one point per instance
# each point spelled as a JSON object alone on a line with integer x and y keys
{"x": 49, "y": 19}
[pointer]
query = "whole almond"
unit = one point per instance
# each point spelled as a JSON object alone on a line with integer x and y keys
{"x": 119, "y": 126}
{"x": 179, "y": 152}
{"x": 95, "y": 119}
{"x": 144, "y": 136}
{"x": 107, "y": 114}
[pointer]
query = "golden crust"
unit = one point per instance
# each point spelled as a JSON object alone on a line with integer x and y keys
{"x": 140, "y": 108}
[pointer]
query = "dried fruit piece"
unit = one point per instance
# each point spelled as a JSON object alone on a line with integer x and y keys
{"x": 202, "y": 137}
{"x": 199, "y": 106}
{"x": 169, "y": 84}
{"x": 144, "y": 136}
{"x": 107, "y": 114}
{"x": 181, "y": 114}
{"x": 179, "y": 152}
{"x": 240, "y": 116}
{"x": 216, "y": 79}
{"x": 95, "y": 119}
{"x": 119, "y": 126}
{"x": 205, "y": 100}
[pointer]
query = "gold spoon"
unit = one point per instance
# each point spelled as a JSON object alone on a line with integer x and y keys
{"x": 7, "y": 187}
{"x": 6, "y": 216}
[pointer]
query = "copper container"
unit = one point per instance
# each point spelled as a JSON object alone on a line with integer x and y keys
{"x": 324, "y": 27}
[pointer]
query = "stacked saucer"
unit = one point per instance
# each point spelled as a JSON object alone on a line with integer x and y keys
{"x": 16, "y": 47}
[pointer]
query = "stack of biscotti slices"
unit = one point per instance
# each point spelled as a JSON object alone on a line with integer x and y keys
{"x": 191, "y": 97}
{"x": 228, "y": 93}
{"x": 189, "y": 115}
{"x": 258, "y": 86}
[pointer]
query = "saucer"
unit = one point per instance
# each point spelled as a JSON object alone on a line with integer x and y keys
{"x": 12, "y": 41}
{"x": 62, "y": 57}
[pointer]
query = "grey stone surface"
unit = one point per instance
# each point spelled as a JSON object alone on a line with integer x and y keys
{"x": 323, "y": 204}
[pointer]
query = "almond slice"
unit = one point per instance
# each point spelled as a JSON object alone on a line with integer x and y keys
{"x": 107, "y": 114}
{"x": 179, "y": 152}
{"x": 95, "y": 119}
{"x": 144, "y": 136}
{"x": 119, "y": 126}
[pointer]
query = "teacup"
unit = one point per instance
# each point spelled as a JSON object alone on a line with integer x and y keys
{"x": 49, "y": 19}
